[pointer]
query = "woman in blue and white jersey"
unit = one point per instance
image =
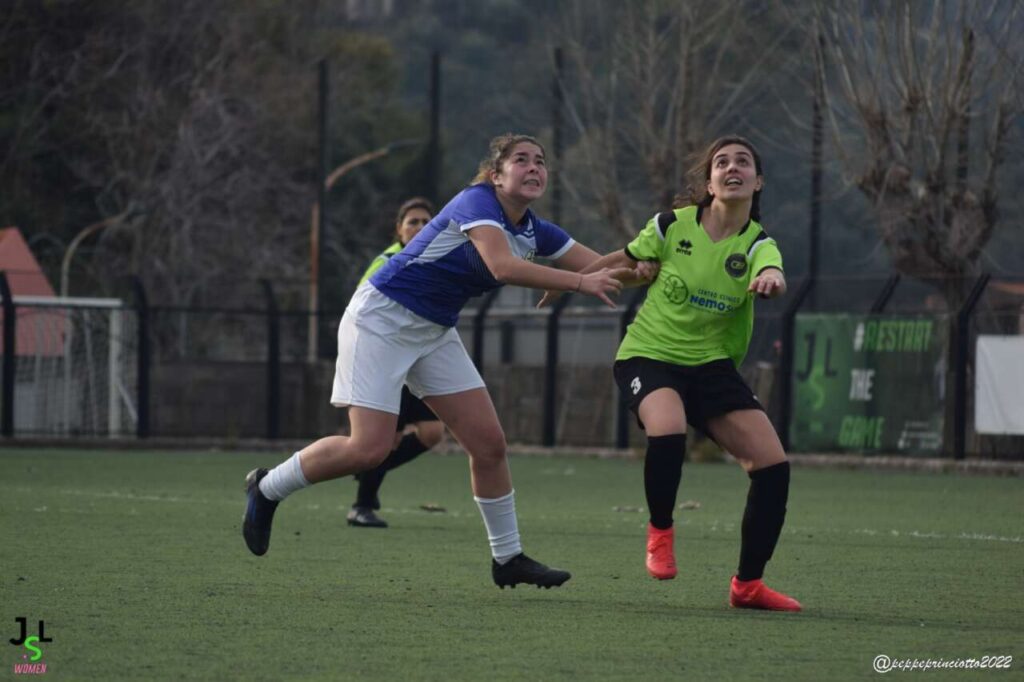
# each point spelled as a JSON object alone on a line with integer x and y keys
{"x": 400, "y": 329}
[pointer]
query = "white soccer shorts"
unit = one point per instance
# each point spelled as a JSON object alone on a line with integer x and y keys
{"x": 382, "y": 345}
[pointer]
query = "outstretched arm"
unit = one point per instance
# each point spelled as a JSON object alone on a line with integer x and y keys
{"x": 507, "y": 268}
{"x": 583, "y": 259}
{"x": 577, "y": 258}
{"x": 636, "y": 272}
{"x": 641, "y": 272}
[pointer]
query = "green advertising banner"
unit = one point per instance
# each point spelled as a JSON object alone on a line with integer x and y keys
{"x": 869, "y": 383}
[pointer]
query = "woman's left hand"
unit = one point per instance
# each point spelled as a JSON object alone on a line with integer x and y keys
{"x": 768, "y": 284}
{"x": 647, "y": 270}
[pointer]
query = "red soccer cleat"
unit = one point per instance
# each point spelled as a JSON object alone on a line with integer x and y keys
{"x": 661, "y": 559}
{"x": 754, "y": 594}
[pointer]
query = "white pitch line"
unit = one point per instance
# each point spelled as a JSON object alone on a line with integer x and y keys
{"x": 133, "y": 497}
{"x": 930, "y": 535}
{"x": 715, "y": 526}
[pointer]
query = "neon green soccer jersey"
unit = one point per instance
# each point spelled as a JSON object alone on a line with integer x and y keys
{"x": 698, "y": 309}
{"x": 380, "y": 260}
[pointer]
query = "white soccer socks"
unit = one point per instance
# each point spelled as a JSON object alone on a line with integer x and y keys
{"x": 502, "y": 527}
{"x": 284, "y": 479}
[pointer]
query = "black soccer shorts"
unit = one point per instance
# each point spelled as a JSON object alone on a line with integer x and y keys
{"x": 413, "y": 410}
{"x": 707, "y": 391}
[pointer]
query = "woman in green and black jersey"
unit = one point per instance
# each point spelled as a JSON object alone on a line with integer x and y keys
{"x": 419, "y": 429}
{"x": 678, "y": 362}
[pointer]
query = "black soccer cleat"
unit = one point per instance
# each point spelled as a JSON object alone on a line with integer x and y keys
{"x": 365, "y": 517}
{"x": 259, "y": 514}
{"x": 523, "y": 569}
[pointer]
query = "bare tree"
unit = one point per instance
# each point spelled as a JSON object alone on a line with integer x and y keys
{"x": 651, "y": 83}
{"x": 922, "y": 98}
{"x": 192, "y": 140}
{"x": 195, "y": 121}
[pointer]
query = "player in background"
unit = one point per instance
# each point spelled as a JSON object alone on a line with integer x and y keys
{"x": 425, "y": 430}
{"x": 678, "y": 361}
{"x": 399, "y": 329}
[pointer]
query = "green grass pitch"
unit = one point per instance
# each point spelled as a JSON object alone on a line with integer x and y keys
{"x": 135, "y": 562}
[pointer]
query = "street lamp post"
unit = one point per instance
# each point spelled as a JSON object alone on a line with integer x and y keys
{"x": 315, "y": 236}
{"x": 69, "y": 252}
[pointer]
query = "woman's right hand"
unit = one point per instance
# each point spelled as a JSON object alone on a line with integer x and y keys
{"x": 600, "y": 283}
{"x": 604, "y": 282}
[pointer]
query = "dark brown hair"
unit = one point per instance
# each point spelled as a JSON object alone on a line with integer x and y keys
{"x": 410, "y": 204}
{"x": 700, "y": 173}
{"x": 500, "y": 149}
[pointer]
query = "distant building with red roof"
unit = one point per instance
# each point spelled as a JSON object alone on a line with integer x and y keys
{"x": 40, "y": 331}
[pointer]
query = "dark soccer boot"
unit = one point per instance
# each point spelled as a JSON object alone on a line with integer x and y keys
{"x": 523, "y": 569}
{"x": 259, "y": 514}
{"x": 365, "y": 517}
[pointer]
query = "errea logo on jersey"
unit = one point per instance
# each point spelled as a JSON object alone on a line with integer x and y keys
{"x": 685, "y": 247}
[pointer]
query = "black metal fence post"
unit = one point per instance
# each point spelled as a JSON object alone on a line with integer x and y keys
{"x": 622, "y": 410}
{"x": 885, "y": 294}
{"x": 818, "y": 107}
{"x": 962, "y": 346}
{"x": 551, "y": 370}
{"x": 273, "y": 362}
{"x": 557, "y": 106}
{"x": 507, "y": 333}
{"x": 322, "y": 226}
{"x": 9, "y": 337}
{"x": 478, "y": 329}
{"x": 786, "y": 362}
{"x": 434, "y": 151}
{"x": 143, "y": 357}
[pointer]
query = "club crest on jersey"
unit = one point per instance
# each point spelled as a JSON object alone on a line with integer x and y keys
{"x": 685, "y": 247}
{"x": 676, "y": 290}
{"x": 736, "y": 265}
{"x": 530, "y": 255}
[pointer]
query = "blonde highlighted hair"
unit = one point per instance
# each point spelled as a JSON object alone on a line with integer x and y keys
{"x": 500, "y": 149}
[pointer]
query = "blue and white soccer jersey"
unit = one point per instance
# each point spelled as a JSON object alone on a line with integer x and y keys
{"x": 399, "y": 327}
{"x": 440, "y": 269}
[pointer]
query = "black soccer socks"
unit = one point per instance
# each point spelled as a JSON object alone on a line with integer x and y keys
{"x": 408, "y": 449}
{"x": 763, "y": 518}
{"x": 663, "y": 469}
